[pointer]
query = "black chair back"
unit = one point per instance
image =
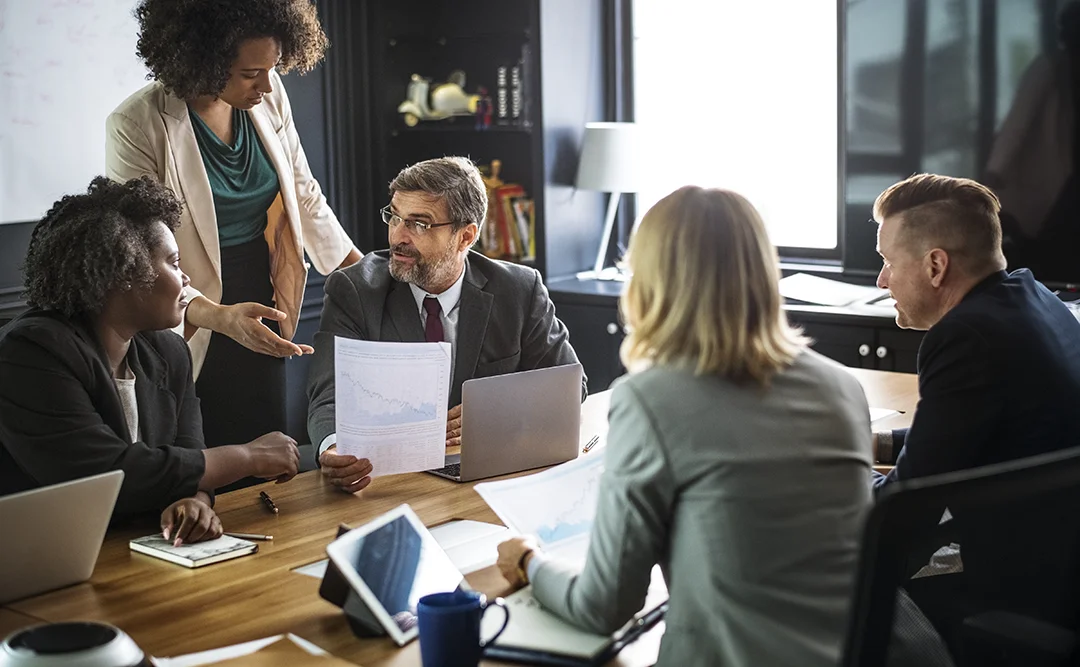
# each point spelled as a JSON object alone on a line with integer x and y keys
{"x": 1002, "y": 511}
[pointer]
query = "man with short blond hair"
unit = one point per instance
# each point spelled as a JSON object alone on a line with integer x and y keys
{"x": 999, "y": 367}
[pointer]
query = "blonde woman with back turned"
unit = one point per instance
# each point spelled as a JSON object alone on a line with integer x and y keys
{"x": 738, "y": 459}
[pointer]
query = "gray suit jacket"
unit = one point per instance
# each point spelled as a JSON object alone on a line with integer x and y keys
{"x": 751, "y": 501}
{"x": 506, "y": 323}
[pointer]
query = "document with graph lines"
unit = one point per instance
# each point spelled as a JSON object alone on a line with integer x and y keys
{"x": 391, "y": 403}
{"x": 563, "y": 520}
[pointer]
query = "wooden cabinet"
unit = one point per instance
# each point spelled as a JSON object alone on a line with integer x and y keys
{"x": 596, "y": 334}
{"x": 874, "y": 343}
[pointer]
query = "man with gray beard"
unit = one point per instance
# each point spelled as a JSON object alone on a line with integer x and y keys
{"x": 430, "y": 286}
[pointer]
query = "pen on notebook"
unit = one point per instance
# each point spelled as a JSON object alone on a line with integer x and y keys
{"x": 590, "y": 444}
{"x": 268, "y": 501}
{"x": 250, "y": 536}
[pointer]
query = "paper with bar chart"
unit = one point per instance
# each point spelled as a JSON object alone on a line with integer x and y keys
{"x": 557, "y": 505}
{"x": 391, "y": 403}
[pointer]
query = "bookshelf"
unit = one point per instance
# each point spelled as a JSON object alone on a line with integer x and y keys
{"x": 555, "y": 44}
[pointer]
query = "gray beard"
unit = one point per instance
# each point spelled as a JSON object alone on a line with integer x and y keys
{"x": 423, "y": 273}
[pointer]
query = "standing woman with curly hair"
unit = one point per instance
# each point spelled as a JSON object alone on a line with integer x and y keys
{"x": 216, "y": 128}
{"x": 92, "y": 383}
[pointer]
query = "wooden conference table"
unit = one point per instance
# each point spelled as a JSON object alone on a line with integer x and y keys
{"x": 170, "y": 610}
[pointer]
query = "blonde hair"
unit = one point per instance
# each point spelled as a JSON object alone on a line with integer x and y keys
{"x": 704, "y": 290}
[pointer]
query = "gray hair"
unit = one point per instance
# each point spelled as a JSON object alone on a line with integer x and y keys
{"x": 455, "y": 179}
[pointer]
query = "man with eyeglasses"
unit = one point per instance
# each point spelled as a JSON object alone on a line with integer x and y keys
{"x": 429, "y": 286}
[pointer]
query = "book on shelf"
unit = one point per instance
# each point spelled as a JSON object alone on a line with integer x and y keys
{"x": 193, "y": 555}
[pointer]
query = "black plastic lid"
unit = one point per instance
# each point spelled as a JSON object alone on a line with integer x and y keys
{"x": 59, "y": 638}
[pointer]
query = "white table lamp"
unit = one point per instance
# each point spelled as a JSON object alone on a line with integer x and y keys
{"x": 610, "y": 162}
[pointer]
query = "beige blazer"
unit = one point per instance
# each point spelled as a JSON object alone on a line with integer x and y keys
{"x": 150, "y": 133}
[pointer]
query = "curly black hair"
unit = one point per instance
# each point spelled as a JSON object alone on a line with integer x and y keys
{"x": 189, "y": 45}
{"x": 90, "y": 244}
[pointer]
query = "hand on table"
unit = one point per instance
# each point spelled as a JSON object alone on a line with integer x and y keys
{"x": 344, "y": 471}
{"x": 453, "y": 426}
{"x": 513, "y": 561}
{"x": 190, "y": 520}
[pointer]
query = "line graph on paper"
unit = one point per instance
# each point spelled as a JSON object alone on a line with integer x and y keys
{"x": 557, "y": 505}
{"x": 410, "y": 399}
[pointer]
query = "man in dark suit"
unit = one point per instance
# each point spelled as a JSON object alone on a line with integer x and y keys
{"x": 999, "y": 379}
{"x": 999, "y": 367}
{"x": 429, "y": 286}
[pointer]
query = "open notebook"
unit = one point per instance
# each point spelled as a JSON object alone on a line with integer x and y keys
{"x": 193, "y": 555}
{"x": 537, "y": 636}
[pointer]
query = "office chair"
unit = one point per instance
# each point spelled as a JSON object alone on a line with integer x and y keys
{"x": 1018, "y": 530}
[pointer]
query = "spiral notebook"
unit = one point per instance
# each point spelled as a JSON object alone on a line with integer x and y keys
{"x": 193, "y": 555}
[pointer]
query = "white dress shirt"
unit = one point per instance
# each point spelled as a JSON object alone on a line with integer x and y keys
{"x": 449, "y": 301}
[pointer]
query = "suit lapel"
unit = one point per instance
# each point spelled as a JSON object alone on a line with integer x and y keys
{"x": 191, "y": 180}
{"x": 264, "y": 127}
{"x": 404, "y": 314}
{"x": 473, "y": 312}
{"x": 151, "y": 394}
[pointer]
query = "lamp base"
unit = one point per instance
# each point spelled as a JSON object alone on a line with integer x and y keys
{"x": 607, "y": 273}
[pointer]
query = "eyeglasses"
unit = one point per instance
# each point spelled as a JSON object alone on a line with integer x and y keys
{"x": 414, "y": 226}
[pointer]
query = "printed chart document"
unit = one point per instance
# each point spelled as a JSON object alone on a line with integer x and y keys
{"x": 391, "y": 403}
{"x": 561, "y": 523}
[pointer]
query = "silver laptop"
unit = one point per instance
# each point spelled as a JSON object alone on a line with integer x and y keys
{"x": 516, "y": 422}
{"x": 52, "y": 535}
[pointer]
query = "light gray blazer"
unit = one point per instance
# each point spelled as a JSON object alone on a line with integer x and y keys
{"x": 752, "y": 502}
{"x": 506, "y": 323}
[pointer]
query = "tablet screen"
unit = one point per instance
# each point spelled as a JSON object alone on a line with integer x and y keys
{"x": 401, "y": 565}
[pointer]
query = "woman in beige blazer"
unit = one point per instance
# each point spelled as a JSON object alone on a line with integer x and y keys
{"x": 737, "y": 459}
{"x": 217, "y": 129}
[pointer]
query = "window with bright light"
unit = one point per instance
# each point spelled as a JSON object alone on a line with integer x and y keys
{"x": 742, "y": 95}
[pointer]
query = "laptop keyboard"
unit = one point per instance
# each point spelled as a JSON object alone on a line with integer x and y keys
{"x": 453, "y": 470}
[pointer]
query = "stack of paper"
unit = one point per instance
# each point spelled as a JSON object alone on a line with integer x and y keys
{"x": 823, "y": 291}
{"x": 277, "y": 651}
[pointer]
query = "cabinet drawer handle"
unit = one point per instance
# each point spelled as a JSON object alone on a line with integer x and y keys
{"x": 612, "y": 328}
{"x": 864, "y": 350}
{"x": 882, "y": 352}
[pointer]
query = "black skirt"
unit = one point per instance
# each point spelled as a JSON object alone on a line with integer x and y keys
{"x": 242, "y": 392}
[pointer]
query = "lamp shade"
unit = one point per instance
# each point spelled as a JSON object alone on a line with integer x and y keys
{"x": 610, "y": 158}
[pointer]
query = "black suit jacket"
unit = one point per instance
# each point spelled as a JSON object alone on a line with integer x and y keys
{"x": 61, "y": 416}
{"x": 999, "y": 379}
{"x": 506, "y": 323}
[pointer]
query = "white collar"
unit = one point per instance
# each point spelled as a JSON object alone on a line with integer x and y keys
{"x": 448, "y": 300}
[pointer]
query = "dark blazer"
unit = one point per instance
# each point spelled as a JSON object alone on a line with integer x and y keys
{"x": 61, "y": 416}
{"x": 999, "y": 379}
{"x": 506, "y": 323}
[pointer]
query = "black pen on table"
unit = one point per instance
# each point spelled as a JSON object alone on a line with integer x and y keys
{"x": 268, "y": 501}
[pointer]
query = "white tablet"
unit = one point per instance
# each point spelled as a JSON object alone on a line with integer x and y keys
{"x": 391, "y": 563}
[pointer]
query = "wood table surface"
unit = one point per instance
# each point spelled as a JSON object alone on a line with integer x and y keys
{"x": 171, "y": 610}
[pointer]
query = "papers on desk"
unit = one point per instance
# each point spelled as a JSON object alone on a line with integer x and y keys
{"x": 391, "y": 403}
{"x": 881, "y": 413}
{"x": 563, "y": 521}
{"x": 471, "y": 546}
{"x": 823, "y": 291}
{"x": 297, "y": 651}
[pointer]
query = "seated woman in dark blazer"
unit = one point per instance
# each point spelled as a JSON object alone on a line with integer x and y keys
{"x": 91, "y": 380}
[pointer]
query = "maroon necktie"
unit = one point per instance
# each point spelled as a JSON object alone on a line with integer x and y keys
{"x": 433, "y": 331}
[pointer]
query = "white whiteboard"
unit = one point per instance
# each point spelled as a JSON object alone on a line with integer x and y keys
{"x": 64, "y": 66}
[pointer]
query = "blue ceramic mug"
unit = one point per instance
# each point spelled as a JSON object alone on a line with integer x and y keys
{"x": 450, "y": 628}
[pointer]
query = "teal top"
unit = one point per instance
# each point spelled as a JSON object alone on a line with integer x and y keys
{"x": 242, "y": 179}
